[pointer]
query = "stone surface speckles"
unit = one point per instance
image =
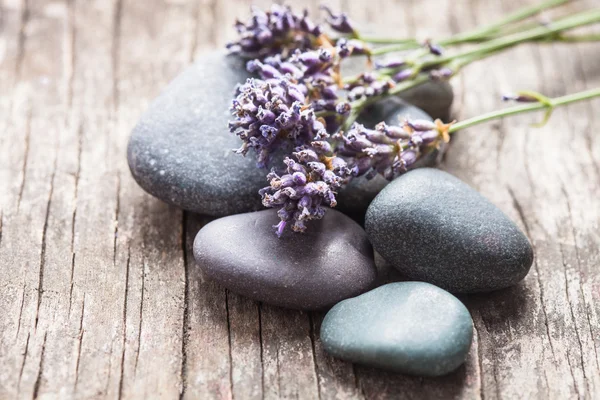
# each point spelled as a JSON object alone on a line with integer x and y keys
{"x": 433, "y": 227}
{"x": 332, "y": 261}
{"x": 409, "y": 327}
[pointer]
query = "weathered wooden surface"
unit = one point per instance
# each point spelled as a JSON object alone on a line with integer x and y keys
{"x": 99, "y": 294}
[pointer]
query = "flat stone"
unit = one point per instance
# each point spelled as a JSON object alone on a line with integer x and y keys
{"x": 354, "y": 198}
{"x": 181, "y": 149}
{"x": 409, "y": 327}
{"x": 332, "y": 261}
{"x": 433, "y": 227}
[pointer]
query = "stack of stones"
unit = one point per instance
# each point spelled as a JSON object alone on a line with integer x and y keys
{"x": 438, "y": 232}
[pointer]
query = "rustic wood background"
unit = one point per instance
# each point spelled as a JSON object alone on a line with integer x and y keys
{"x": 99, "y": 294}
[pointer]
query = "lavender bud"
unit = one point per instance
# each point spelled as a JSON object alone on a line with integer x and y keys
{"x": 429, "y": 137}
{"x": 403, "y": 75}
{"x": 340, "y": 23}
{"x": 408, "y": 157}
{"x": 393, "y": 131}
{"x": 420, "y": 124}
{"x": 361, "y": 166}
{"x": 299, "y": 178}
{"x": 394, "y": 63}
{"x": 441, "y": 74}
{"x": 322, "y": 146}
{"x": 521, "y": 98}
{"x": 434, "y": 48}
{"x": 343, "y": 108}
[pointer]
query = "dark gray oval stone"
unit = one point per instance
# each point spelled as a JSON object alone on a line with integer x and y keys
{"x": 332, "y": 261}
{"x": 409, "y": 327}
{"x": 435, "y": 228}
{"x": 354, "y": 198}
{"x": 181, "y": 150}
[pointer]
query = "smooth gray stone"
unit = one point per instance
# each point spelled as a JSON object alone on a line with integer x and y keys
{"x": 181, "y": 149}
{"x": 332, "y": 261}
{"x": 409, "y": 327}
{"x": 434, "y": 228}
{"x": 354, "y": 198}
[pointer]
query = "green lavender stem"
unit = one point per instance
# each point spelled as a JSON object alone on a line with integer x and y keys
{"x": 478, "y": 34}
{"x": 573, "y": 21}
{"x": 520, "y": 109}
{"x": 459, "y": 60}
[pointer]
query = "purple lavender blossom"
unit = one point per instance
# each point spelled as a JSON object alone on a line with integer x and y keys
{"x": 339, "y": 22}
{"x": 389, "y": 150}
{"x": 441, "y": 74}
{"x": 307, "y": 187}
{"x": 271, "y": 114}
{"x": 278, "y": 31}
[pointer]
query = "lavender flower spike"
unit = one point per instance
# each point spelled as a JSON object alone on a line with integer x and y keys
{"x": 278, "y": 31}
{"x": 272, "y": 114}
{"x": 390, "y": 150}
{"x": 307, "y": 187}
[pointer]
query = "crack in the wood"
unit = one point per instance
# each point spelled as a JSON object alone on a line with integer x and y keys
{"x": 479, "y": 362}
{"x": 23, "y": 364}
{"x": 21, "y": 310}
{"x": 117, "y": 211}
{"x": 79, "y": 343}
{"x": 40, "y": 289}
{"x": 185, "y": 319}
{"x": 71, "y": 283}
{"x": 25, "y": 158}
{"x": 38, "y": 380}
{"x": 572, "y": 374}
{"x": 519, "y": 208}
{"x": 22, "y": 37}
{"x": 139, "y": 337}
{"x": 314, "y": 353}
{"x": 74, "y": 214}
{"x": 494, "y": 357}
{"x": 115, "y": 50}
{"x": 124, "y": 342}
{"x": 229, "y": 343}
{"x": 565, "y": 194}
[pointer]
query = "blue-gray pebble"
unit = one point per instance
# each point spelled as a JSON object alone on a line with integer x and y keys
{"x": 332, "y": 261}
{"x": 435, "y": 228}
{"x": 181, "y": 150}
{"x": 410, "y": 327}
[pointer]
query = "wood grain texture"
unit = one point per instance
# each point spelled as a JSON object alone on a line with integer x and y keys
{"x": 100, "y": 296}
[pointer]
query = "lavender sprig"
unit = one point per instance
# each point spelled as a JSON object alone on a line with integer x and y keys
{"x": 389, "y": 150}
{"x": 271, "y": 114}
{"x": 309, "y": 184}
{"x": 278, "y": 31}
